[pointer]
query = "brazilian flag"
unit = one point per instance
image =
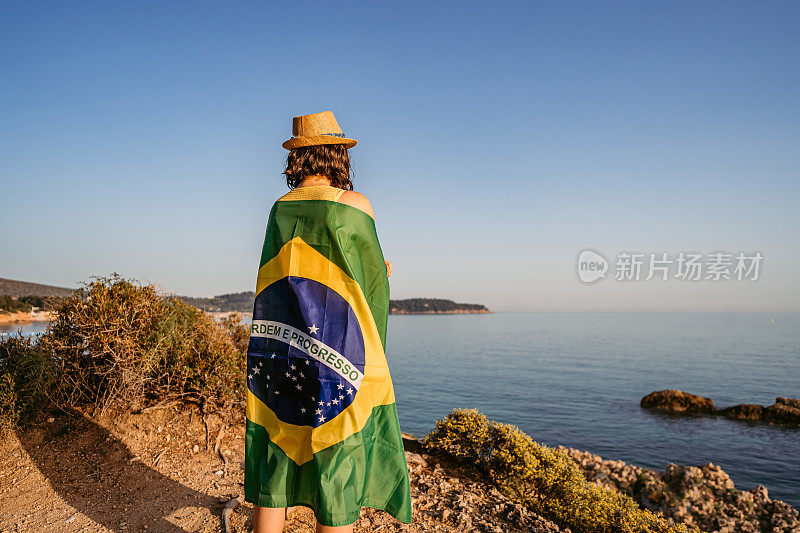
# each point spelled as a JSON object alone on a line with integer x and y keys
{"x": 322, "y": 426}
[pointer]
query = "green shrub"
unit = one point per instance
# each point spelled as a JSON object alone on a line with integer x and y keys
{"x": 546, "y": 480}
{"x": 27, "y": 376}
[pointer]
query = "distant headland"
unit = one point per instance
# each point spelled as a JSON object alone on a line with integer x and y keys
{"x": 242, "y": 302}
{"x": 433, "y": 306}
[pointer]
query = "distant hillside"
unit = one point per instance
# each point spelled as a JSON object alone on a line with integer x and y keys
{"x": 23, "y": 296}
{"x": 18, "y": 289}
{"x": 239, "y": 301}
{"x": 243, "y": 302}
{"x": 432, "y": 306}
{"x": 224, "y": 303}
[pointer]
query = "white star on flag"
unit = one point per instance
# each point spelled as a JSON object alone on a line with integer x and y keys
{"x": 292, "y": 367}
{"x": 321, "y": 418}
{"x": 313, "y": 329}
{"x": 341, "y": 386}
{"x": 308, "y": 362}
{"x": 256, "y": 370}
{"x": 319, "y": 411}
{"x": 335, "y": 401}
{"x": 277, "y": 392}
{"x": 321, "y": 402}
{"x": 298, "y": 386}
{"x": 303, "y": 409}
{"x": 350, "y": 391}
{"x": 288, "y": 374}
{"x": 250, "y": 376}
{"x": 294, "y": 378}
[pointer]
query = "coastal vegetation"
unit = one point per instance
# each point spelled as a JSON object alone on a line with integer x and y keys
{"x": 25, "y": 304}
{"x": 27, "y": 375}
{"x": 546, "y": 480}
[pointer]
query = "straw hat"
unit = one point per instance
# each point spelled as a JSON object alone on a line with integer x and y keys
{"x": 315, "y": 129}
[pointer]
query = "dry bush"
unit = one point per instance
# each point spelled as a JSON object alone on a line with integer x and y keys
{"x": 118, "y": 340}
{"x": 544, "y": 479}
{"x": 239, "y": 332}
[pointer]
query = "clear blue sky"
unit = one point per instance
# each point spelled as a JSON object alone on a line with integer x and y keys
{"x": 496, "y": 140}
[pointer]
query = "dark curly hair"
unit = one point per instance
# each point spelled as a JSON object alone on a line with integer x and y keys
{"x": 330, "y": 160}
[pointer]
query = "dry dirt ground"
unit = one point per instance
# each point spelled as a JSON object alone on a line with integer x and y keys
{"x": 172, "y": 470}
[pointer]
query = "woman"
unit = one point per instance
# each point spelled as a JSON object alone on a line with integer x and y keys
{"x": 322, "y": 427}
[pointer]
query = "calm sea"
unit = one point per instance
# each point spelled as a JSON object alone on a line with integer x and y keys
{"x": 27, "y": 328}
{"x": 576, "y": 379}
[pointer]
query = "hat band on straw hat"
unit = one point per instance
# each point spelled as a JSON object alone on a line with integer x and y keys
{"x": 332, "y": 134}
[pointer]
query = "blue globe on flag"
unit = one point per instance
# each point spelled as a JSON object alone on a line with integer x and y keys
{"x": 306, "y": 354}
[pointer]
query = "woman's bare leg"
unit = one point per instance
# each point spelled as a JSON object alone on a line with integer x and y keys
{"x": 337, "y": 529}
{"x": 269, "y": 519}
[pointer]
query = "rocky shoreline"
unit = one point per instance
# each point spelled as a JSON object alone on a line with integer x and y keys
{"x": 785, "y": 411}
{"x": 702, "y": 496}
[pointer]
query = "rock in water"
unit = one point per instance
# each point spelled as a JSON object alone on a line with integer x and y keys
{"x": 783, "y": 411}
{"x": 679, "y": 402}
{"x": 744, "y": 411}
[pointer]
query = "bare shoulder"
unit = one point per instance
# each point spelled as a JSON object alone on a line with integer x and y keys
{"x": 357, "y": 200}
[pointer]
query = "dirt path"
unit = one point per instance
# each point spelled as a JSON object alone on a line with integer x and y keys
{"x": 72, "y": 474}
{"x": 164, "y": 471}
